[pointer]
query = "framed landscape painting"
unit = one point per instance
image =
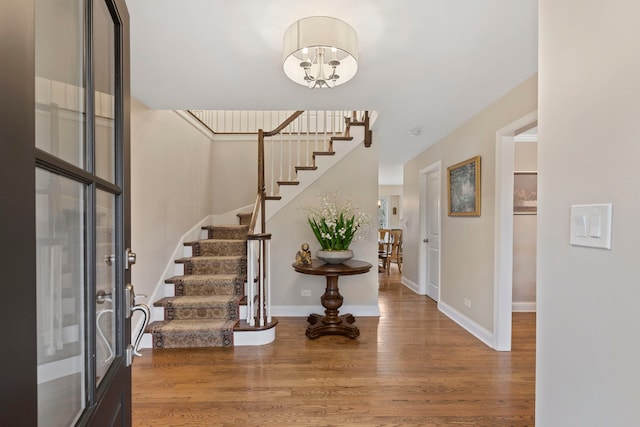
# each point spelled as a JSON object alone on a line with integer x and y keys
{"x": 525, "y": 193}
{"x": 463, "y": 188}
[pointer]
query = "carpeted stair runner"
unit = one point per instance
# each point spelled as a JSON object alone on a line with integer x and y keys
{"x": 205, "y": 307}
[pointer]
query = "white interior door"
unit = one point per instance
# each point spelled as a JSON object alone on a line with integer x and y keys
{"x": 432, "y": 238}
{"x": 429, "y": 243}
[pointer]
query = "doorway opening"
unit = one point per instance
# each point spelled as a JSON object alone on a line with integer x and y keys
{"x": 503, "y": 268}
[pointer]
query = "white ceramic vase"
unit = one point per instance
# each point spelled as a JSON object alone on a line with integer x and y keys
{"x": 334, "y": 257}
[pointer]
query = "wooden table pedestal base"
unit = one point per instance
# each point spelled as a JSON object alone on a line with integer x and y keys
{"x": 332, "y": 323}
{"x": 319, "y": 326}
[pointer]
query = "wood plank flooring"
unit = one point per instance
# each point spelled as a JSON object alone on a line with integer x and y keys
{"x": 412, "y": 366}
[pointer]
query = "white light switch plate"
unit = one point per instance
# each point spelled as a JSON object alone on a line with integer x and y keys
{"x": 591, "y": 225}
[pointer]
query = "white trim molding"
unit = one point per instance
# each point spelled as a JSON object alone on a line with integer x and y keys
{"x": 524, "y": 307}
{"x": 411, "y": 285}
{"x": 478, "y": 331}
{"x": 503, "y": 238}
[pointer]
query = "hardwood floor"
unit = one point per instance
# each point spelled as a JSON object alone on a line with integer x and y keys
{"x": 411, "y": 366}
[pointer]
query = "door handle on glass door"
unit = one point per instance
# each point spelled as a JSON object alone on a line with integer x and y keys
{"x": 130, "y": 258}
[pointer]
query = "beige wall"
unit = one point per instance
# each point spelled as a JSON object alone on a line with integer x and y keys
{"x": 588, "y": 347}
{"x": 467, "y": 245}
{"x": 235, "y": 175}
{"x": 525, "y": 233}
{"x": 290, "y": 229}
{"x": 170, "y": 189}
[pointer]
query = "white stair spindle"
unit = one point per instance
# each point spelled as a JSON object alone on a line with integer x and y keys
{"x": 268, "y": 279}
{"x": 316, "y": 133}
{"x": 250, "y": 276}
{"x": 261, "y": 283}
{"x": 308, "y": 139}
{"x": 298, "y": 139}
{"x": 271, "y": 169}
{"x": 324, "y": 131}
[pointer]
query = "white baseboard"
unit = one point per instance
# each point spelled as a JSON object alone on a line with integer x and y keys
{"x": 306, "y": 310}
{"x": 247, "y": 338}
{"x": 469, "y": 325}
{"x": 524, "y": 307}
{"x": 146, "y": 341}
{"x": 410, "y": 284}
{"x": 159, "y": 291}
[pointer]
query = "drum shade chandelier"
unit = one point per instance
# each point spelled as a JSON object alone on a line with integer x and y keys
{"x": 320, "y": 52}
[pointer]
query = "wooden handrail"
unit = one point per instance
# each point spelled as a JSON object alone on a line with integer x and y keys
{"x": 260, "y": 203}
{"x": 200, "y": 121}
{"x": 367, "y": 132}
{"x": 262, "y": 190}
{"x": 254, "y": 215}
{"x": 284, "y": 124}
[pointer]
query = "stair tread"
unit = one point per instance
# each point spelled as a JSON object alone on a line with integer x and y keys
{"x": 209, "y": 258}
{"x": 197, "y": 300}
{"x": 306, "y": 168}
{"x": 342, "y": 138}
{"x": 225, "y": 226}
{"x": 195, "y": 242}
{"x": 288, "y": 182}
{"x": 203, "y": 277}
{"x": 189, "y": 325}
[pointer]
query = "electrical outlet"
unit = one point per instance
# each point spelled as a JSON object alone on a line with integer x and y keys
{"x": 467, "y": 302}
{"x": 305, "y": 293}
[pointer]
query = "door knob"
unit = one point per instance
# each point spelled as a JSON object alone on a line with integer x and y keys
{"x": 425, "y": 240}
{"x": 130, "y": 258}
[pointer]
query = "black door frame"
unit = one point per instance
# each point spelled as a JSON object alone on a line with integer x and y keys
{"x": 18, "y": 388}
{"x": 18, "y": 358}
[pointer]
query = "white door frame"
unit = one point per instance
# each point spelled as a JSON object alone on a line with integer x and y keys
{"x": 503, "y": 239}
{"x": 422, "y": 252}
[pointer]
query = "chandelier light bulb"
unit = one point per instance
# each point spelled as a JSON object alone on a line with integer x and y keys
{"x": 306, "y": 48}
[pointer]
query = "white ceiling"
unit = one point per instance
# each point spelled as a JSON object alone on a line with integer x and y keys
{"x": 428, "y": 64}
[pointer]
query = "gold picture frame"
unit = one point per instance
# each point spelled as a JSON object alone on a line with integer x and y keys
{"x": 463, "y": 188}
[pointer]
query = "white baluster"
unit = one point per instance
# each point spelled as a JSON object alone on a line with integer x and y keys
{"x": 272, "y": 175}
{"x": 250, "y": 276}
{"x": 324, "y": 131}
{"x": 316, "y": 133}
{"x": 261, "y": 283}
{"x": 268, "y": 284}
{"x": 290, "y": 157}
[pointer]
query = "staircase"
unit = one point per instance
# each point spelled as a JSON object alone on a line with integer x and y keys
{"x": 205, "y": 306}
{"x": 204, "y": 301}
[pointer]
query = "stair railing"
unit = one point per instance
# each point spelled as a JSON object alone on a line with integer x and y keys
{"x": 291, "y": 147}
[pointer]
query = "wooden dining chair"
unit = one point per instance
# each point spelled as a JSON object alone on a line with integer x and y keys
{"x": 394, "y": 253}
{"x": 384, "y": 248}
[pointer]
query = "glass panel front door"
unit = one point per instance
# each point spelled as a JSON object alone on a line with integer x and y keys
{"x": 80, "y": 200}
{"x": 106, "y": 344}
{"x": 60, "y": 79}
{"x": 105, "y": 88}
{"x": 60, "y": 245}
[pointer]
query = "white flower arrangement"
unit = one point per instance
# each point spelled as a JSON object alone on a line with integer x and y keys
{"x": 335, "y": 226}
